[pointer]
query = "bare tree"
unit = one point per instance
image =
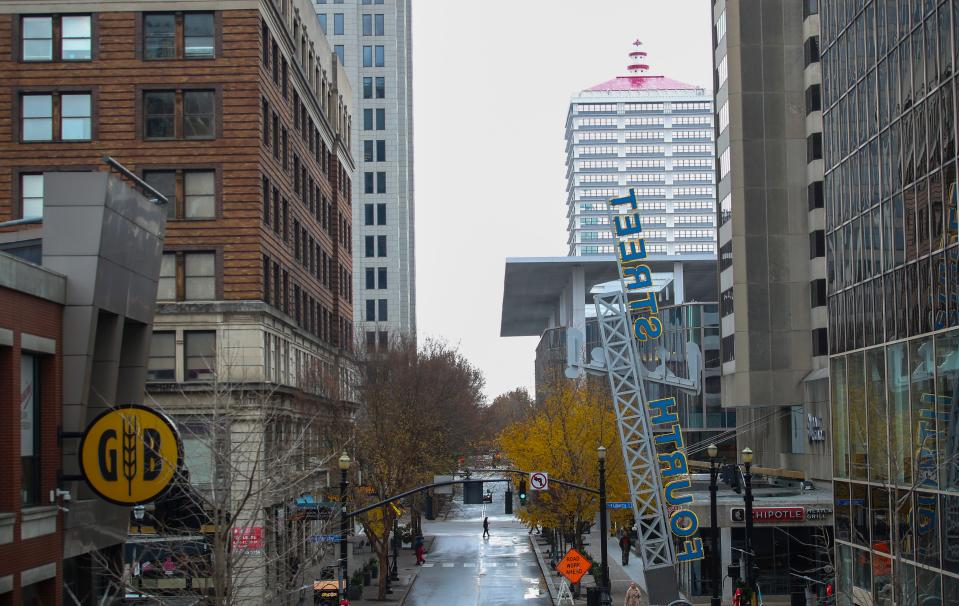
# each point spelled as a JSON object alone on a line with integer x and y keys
{"x": 229, "y": 530}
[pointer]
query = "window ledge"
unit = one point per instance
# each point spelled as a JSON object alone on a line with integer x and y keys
{"x": 38, "y": 521}
{"x": 7, "y": 520}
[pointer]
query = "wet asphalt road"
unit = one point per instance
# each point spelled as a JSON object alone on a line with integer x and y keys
{"x": 463, "y": 569}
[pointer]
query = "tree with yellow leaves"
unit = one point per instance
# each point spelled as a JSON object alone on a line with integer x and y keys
{"x": 561, "y": 437}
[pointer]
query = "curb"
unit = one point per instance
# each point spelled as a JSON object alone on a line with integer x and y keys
{"x": 544, "y": 570}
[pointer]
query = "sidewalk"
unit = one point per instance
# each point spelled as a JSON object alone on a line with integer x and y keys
{"x": 406, "y": 569}
{"x": 620, "y": 576}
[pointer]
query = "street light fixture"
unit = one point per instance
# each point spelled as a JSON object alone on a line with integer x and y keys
{"x": 748, "y": 498}
{"x": 344, "y": 463}
{"x": 716, "y": 600}
{"x": 604, "y": 598}
{"x": 138, "y": 513}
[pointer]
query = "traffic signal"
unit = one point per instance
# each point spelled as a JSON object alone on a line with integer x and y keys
{"x": 522, "y": 491}
{"x": 829, "y": 590}
{"x": 509, "y": 502}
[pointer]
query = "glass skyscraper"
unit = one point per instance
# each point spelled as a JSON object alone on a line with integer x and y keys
{"x": 889, "y": 132}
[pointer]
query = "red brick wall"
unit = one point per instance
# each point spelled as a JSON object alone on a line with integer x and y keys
{"x": 23, "y": 313}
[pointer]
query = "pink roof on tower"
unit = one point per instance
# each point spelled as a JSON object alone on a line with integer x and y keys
{"x": 643, "y": 83}
{"x": 638, "y": 80}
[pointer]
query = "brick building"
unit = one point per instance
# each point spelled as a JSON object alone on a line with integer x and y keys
{"x": 30, "y": 379}
{"x": 76, "y": 307}
{"x": 238, "y": 112}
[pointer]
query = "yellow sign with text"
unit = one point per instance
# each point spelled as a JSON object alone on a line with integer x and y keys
{"x": 130, "y": 454}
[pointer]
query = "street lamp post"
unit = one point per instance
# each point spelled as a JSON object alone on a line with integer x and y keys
{"x": 748, "y": 498}
{"x": 604, "y": 598}
{"x": 344, "y": 463}
{"x": 712, "y": 451}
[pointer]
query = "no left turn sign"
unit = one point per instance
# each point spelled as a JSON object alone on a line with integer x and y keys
{"x": 539, "y": 480}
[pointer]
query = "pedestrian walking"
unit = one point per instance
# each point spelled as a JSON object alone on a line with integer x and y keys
{"x": 486, "y": 528}
{"x": 420, "y": 550}
{"x": 624, "y": 544}
{"x": 633, "y": 595}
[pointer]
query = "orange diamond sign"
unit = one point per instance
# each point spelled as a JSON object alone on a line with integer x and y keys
{"x": 573, "y": 566}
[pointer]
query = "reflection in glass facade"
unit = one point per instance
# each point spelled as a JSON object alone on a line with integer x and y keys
{"x": 701, "y": 413}
{"x": 889, "y": 124}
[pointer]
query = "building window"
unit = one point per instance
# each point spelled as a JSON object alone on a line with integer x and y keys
{"x": 369, "y": 242}
{"x": 166, "y": 287}
{"x": 367, "y": 56}
{"x": 381, "y": 182}
{"x": 813, "y": 99}
{"x": 381, "y": 277}
{"x": 381, "y": 246}
{"x": 340, "y": 53}
{"x": 198, "y": 114}
{"x": 815, "y": 195}
{"x": 31, "y": 196}
{"x": 811, "y": 50}
{"x": 159, "y": 36}
{"x": 724, "y": 116}
{"x": 198, "y": 35}
{"x": 197, "y": 120}
{"x": 370, "y": 278}
{"x": 722, "y": 72}
{"x": 200, "y": 276}
{"x": 378, "y": 28}
{"x": 820, "y": 342}
{"x": 39, "y": 32}
{"x": 817, "y": 289}
{"x": 367, "y": 87}
{"x": 162, "y": 363}
{"x": 159, "y": 114}
{"x": 37, "y": 38}
{"x": 381, "y": 119}
{"x": 368, "y": 214}
{"x": 814, "y": 147}
{"x": 37, "y": 118}
{"x": 817, "y": 244}
{"x": 378, "y": 59}
{"x": 191, "y": 193}
{"x": 200, "y": 355}
{"x": 383, "y": 309}
{"x": 337, "y": 24}
{"x": 199, "y": 190}
{"x": 370, "y": 310}
{"x": 164, "y": 181}
{"x": 367, "y": 183}
{"x": 322, "y": 18}
{"x": 367, "y": 119}
{"x": 381, "y": 214}
{"x": 161, "y": 31}
{"x": 30, "y": 429}
{"x": 380, "y": 87}
{"x": 367, "y": 25}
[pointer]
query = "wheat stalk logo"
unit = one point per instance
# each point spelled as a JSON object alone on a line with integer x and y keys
{"x": 130, "y": 431}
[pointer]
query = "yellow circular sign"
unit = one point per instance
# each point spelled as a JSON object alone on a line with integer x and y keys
{"x": 130, "y": 454}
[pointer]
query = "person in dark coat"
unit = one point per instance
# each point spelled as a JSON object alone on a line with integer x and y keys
{"x": 624, "y": 544}
{"x": 486, "y": 528}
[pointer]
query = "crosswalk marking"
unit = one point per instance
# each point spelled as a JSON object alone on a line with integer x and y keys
{"x": 479, "y": 565}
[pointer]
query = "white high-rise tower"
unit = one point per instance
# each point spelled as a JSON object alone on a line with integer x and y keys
{"x": 372, "y": 38}
{"x": 655, "y": 135}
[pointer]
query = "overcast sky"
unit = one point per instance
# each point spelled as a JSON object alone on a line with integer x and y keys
{"x": 492, "y": 81}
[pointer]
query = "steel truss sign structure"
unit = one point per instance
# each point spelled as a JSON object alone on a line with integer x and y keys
{"x": 656, "y": 479}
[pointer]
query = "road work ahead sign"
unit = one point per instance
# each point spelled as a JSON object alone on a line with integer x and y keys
{"x": 130, "y": 454}
{"x": 573, "y": 566}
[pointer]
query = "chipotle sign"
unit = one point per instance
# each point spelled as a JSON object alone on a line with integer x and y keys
{"x": 769, "y": 514}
